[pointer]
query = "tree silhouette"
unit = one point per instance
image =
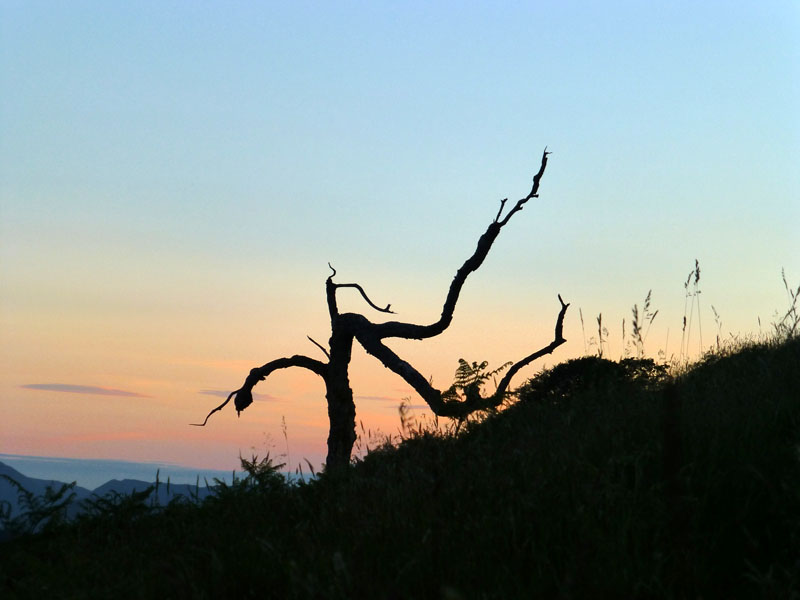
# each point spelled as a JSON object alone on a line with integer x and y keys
{"x": 348, "y": 327}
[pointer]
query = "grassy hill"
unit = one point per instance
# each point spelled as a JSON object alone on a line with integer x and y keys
{"x": 604, "y": 480}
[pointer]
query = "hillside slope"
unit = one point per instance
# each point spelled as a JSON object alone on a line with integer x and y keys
{"x": 603, "y": 480}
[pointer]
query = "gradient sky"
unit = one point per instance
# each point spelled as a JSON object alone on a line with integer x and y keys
{"x": 175, "y": 177}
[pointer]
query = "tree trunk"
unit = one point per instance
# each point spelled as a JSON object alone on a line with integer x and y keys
{"x": 342, "y": 417}
{"x": 341, "y": 407}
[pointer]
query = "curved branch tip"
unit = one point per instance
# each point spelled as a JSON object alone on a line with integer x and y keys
{"x": 220, "y": 407}
{"x": 388, "y": 308}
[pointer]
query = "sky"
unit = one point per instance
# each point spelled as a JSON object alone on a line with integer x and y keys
{"x": 175, "y": 178}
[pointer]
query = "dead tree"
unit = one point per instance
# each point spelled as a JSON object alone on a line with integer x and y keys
{"x": 347, "y": 327}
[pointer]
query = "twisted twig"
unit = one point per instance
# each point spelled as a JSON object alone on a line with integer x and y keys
{"x": 534, "y": 193}
{"x": 360, "y": 289}
{"x": 220, "y": 407}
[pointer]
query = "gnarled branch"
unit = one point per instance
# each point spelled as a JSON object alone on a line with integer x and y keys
{"x": 374, "y": 346}
{"x": 534, "y": 193}
{"x": 433, "y": 397}
{"x": 364, "y": 295}
{"x": 558, "y": 339}
{"x": 244, "y": 395}
{"x": 331, "y": 288}
{"x": 473, "y": 263}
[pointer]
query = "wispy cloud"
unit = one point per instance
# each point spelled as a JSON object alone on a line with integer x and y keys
{"x": 394, "y": 400}
{"x": 379, "y": 398}
{"x": 257, "y": 397}
{"x": 81, "y": 389}
{"x": 419, "y": 407}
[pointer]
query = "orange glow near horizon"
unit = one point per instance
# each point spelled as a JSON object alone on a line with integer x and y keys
{"x": 178, "y": 382}
{"x": 153, "y": 423}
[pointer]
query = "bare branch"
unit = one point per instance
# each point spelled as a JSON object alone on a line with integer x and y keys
{"x": 220, "y": 407}
{"x": 364, "y": 295}
{"x": 534, "y": 193}
{"x": 500, "y": 210}
{"x": 536, "y": 178}
{"x": 332, "y": 287}
{"x": 244, "y": 395}
{"x": 414, "y": 378}
{"x": 419, "y": 332}
{"x": 558, "y": 339}
{"x": 318, "y": 345}
{"x": 433, "y": 397}
{"x": 473, "y": 263}
{"x": 330, "y": 295}
{"x": 462, "y": 409}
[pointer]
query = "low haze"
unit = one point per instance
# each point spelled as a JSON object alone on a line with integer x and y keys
{"x": 175, "y": 178}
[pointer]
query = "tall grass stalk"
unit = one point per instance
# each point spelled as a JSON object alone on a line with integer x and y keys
{"x": 602, "y": 335}
{"x": 641, "y": 324}
{"x": 691, "y": 298}
{"x": 788, "y": 325}
{"x": 583, "y": 332}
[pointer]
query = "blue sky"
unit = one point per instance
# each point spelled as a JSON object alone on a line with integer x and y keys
{"x": 175, "y": 176}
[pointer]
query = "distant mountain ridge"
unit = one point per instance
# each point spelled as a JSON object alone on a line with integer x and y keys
{"x": 162, "y": 495}
{"x": 10, "y": 494}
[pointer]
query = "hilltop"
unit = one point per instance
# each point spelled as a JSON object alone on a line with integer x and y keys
{"x": 603, "y": 479}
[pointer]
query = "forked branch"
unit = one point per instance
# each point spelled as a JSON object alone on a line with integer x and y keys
{"x": 473, "y": 263}
{"x": 433, "y": 397}
{"x": 534, "y": 193}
